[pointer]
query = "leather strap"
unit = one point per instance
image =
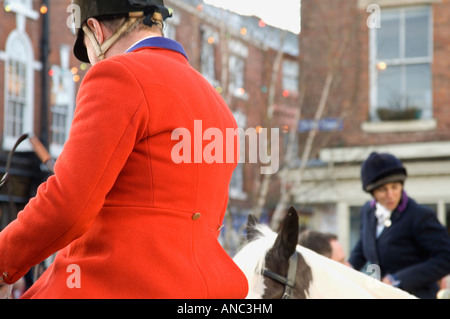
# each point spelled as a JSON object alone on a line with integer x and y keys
{"x": 10, "y": 155}
{"x": 289, "y": 281}
{"x": 292, "y": 272}
{"x": 100, "y": 49}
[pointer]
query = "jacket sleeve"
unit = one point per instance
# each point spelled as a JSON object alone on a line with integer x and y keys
{"x": 357, "y": 259}
{"x": 110, "y": 117}
{"x": 434, "y": 240}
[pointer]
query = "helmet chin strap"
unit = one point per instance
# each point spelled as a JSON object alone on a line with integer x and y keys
{"x": 100, "y": 49}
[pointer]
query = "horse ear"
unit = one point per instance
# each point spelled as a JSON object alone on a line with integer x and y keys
{"x": 288, "y": 237}
{"x": 252, "y": 232}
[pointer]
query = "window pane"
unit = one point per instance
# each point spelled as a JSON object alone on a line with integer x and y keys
{"x": 417, "y": 33}
{"x": 236, "y": 66}
{"x": 58, "y": 128}
{"x": 290, "y": 76}
{"x": 16, "y": 88}
{"x": 208, "y": 58}
{"x": 418, "y": 86}
{"x": 389, "y": 87}
{"x": 388, "y": 36}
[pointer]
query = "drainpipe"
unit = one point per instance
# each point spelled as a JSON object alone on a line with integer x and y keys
{"x": 45, "y": 51}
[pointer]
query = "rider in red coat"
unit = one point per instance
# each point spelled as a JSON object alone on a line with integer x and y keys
{"x": 127, "y": 220}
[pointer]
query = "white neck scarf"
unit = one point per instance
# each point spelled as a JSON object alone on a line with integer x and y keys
{"x": 383, "y": 216}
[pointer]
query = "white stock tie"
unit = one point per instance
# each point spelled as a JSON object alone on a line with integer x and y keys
{"x": 384, "y": 218}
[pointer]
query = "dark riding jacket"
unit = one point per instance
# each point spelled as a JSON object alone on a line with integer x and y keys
{"x": 415, "y": 249}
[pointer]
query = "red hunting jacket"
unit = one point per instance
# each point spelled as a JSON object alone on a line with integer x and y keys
{"x": 126, "y": 220}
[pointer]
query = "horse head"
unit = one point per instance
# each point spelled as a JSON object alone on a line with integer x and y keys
{"x": 276, "y": 267}
{"x": 281, "y": 271}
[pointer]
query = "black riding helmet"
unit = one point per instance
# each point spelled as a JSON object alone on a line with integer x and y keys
{"x": 381, "y": 168}
{"x": 110, "y": 8}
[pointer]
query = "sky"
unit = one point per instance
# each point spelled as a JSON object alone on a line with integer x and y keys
{"x": 284, "y": 14}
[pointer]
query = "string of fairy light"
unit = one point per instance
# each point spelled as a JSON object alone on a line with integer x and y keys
{"x": 74, "y": 70}
{"x": 43, "y": 9}
{"x": 243, "y": 32}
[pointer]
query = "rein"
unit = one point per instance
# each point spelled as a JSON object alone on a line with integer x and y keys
{"x": 45, "y": 157}
{"x": 9, "y": 159}
{"x": 38, "y": 148}
{"x": 289, "y": 281}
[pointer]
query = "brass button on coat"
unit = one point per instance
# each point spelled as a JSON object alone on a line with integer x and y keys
{"x": 4, "y": 276}
{"x": 196, "y": 216}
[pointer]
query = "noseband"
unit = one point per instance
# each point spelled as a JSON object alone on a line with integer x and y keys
{"x": 289, "y": 281}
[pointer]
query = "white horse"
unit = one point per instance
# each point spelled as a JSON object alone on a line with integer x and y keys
{"x": 5, "y": 291}
{"x": 276, "y": 267}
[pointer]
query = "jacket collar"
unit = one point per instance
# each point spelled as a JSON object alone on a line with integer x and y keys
{"x": 401, "y": 206}
{"x": 158, "y": 42}
{"x": 403, "y": 202}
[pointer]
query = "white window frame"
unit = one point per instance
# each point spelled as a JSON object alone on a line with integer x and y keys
{"x": 62, "y": 91}
{"x": 23, "y": 55}
{"x": 22, "y": 8}
{"x": 62, "y": 100}
{"x": 427, "y": 115}
{"x": 208, "y": 56}
{"x": 291, "y": 76}
{"x": 238, "y": 55}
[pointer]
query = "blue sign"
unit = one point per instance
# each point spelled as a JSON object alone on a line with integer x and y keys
{"x": 324, "y": 125}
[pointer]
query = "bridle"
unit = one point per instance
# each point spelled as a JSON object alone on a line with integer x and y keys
{"x": 289, "y": 281}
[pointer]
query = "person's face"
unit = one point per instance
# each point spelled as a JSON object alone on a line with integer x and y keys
{"x": 389, "y": 195}
{"x": 337, "y": 252}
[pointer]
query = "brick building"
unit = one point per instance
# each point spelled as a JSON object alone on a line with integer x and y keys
{"x": 390, "y": 75}
{"x": 235, "y": 53}
{"x": 37, "y": 68}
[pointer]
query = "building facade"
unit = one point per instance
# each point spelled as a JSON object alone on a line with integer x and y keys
{"x": 39, "y": 78}
{"x": 389, "y": 94}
